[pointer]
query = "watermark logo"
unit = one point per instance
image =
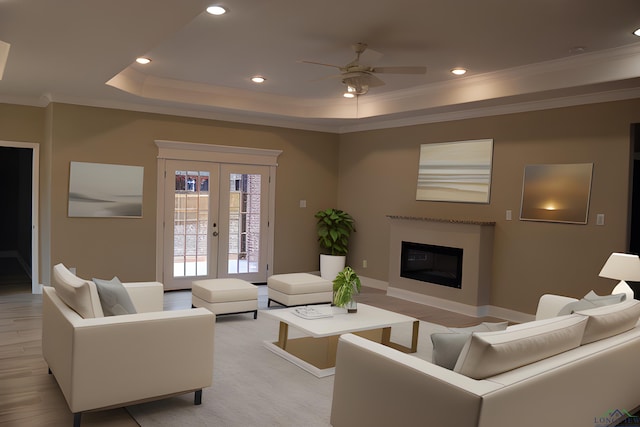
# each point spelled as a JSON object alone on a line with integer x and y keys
{"x": 621, "y": 416}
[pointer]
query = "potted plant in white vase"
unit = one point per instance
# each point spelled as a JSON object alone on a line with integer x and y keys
{"x": 345, "y": 286}
{"x": 334, "y": 229}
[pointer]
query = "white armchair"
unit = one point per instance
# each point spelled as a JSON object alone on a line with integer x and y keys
{"x": 102, "y": 362}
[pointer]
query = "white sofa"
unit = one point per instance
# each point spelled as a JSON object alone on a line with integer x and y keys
{"x": 589, "y": 382}
{"x": 102, "y": 362}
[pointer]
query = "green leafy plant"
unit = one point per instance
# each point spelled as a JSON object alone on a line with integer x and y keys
{"x": 334, "y": 229}
{"x": 345, "y": 286}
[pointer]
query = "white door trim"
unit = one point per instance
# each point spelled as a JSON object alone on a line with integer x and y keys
{"x": 36, "y": 288}
{"x": 176, "y": 150}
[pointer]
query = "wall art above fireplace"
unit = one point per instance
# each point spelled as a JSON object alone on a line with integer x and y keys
{"x": 455, "y": 171}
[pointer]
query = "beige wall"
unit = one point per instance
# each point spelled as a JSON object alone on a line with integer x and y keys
{"x": 101, "y": 247}
{"x": 21, "y": 123}
{"x": 378, "y": 172}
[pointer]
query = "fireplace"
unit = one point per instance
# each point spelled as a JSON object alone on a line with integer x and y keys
{"x": 441, "y": 265}
{"x": 475, "y": 238}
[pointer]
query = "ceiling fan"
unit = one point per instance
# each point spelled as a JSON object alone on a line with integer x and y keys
{"x": 359, "y": 77}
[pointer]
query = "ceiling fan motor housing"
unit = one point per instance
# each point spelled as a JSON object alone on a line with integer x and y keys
{"x": 357, "y": 81}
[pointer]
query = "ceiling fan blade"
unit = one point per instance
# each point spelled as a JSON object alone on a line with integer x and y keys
{"x": 400, "y": 70}
{"x": 320, "y": 63}
{"x": 374, "y": 81}
{"x": 370, "y": 56}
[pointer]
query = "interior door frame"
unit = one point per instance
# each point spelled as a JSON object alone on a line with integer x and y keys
{"x": 223, "y": 154}
{"x": 36, "y": 287}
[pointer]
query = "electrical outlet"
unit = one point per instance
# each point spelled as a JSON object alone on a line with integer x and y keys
{"x": 303, "y": 203}
{"x": 508, "y": 216}
{"x": 364, "y": 263}
{"x": 600, "y": 219}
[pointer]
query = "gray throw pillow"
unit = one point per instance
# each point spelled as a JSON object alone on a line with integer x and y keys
{"x": 602, "y": 300}
{"x": 448, "y": 345}
{"x": 114, "y": 298}
{"x": 591, "y": 300}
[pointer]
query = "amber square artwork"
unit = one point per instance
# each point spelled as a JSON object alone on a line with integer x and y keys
{"x": 556, "y": 192}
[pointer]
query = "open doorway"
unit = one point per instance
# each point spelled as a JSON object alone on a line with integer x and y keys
{"x": 634, "y": 238}
{"x": 634, "y": 233}
{"x": 18, "y": 218}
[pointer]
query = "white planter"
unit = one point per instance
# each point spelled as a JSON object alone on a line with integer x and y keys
{"x": 331, "y": 265}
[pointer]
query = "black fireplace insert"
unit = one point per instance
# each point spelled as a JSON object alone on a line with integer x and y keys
{"x": 441, "y": 265}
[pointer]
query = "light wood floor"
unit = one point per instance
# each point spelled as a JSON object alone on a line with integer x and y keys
{"x": 29, "y": 396}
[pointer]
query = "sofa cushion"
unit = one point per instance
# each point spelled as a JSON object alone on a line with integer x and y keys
{"x": 80, "y": 295}
{"x": 114, "y": 298}
{"x": 606, "y": 321}
{"x": 448, "y": 345}
{"x": 591, "y": 300}
{"x": 490, "y": 353}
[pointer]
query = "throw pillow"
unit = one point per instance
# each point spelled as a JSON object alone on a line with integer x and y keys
{"x": 607, "y": 321}
{"x": 591, "y": 300}
{"x": 490, "y": 353}
{"x": 448, "y": 345}
{"x": 78, "y": 294}
{"x": 601, "y": 300}
{"x": 114, "y": 298}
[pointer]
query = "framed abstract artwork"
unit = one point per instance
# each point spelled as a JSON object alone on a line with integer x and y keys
{"x": 556, "y": 192}
{"x": 105, "y": 191}
{"x": 457, "y": 171}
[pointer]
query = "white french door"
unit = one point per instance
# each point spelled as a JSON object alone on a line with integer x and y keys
{"x": 190, "y": 222}
{"x": 216, "y": 219}
{"x": 244, "y": 197}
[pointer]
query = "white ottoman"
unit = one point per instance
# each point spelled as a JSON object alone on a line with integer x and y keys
{"x": 225, "y": 296}
{"x": 299, "y": 289}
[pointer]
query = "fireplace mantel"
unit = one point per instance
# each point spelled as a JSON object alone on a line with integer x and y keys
{"x": 474, "y": 237}
{"x": 451, "y": 221}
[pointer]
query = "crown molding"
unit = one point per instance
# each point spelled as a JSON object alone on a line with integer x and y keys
{"x": 602, "y": 76}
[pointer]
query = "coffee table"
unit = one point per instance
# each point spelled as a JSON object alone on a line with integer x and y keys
{"x": 315, "y": 351}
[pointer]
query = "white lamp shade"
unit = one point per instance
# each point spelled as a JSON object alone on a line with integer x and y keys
{"x": 621, "y": 266}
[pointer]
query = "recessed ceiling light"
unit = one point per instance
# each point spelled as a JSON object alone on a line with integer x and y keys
{"x": 637, "y": 32}
{"x": 349, "y": 95}
{"x": 216, "y": 10}
{"x": 258, "y": 79}
{"x": 142, "y": 60}
{"x": 458, "y": 71}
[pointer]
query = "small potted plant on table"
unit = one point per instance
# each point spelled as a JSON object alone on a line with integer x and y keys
{"x": 345, "y": 286}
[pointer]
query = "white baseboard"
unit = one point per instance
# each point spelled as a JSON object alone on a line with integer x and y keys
{"x": 374, "y": 283}
{"x": 456, "y": 307}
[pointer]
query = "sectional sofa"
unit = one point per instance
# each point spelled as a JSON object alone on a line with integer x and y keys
{"x": 576, "y": 369}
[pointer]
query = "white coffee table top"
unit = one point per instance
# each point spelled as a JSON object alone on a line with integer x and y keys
{"x": 367, "y": 317}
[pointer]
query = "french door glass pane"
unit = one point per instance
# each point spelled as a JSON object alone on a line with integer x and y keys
{"x": 191, "y": 224}
{"x": 244, "y": 223}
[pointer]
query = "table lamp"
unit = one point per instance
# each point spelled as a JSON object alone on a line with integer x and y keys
{"x": 622, "y": 267}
